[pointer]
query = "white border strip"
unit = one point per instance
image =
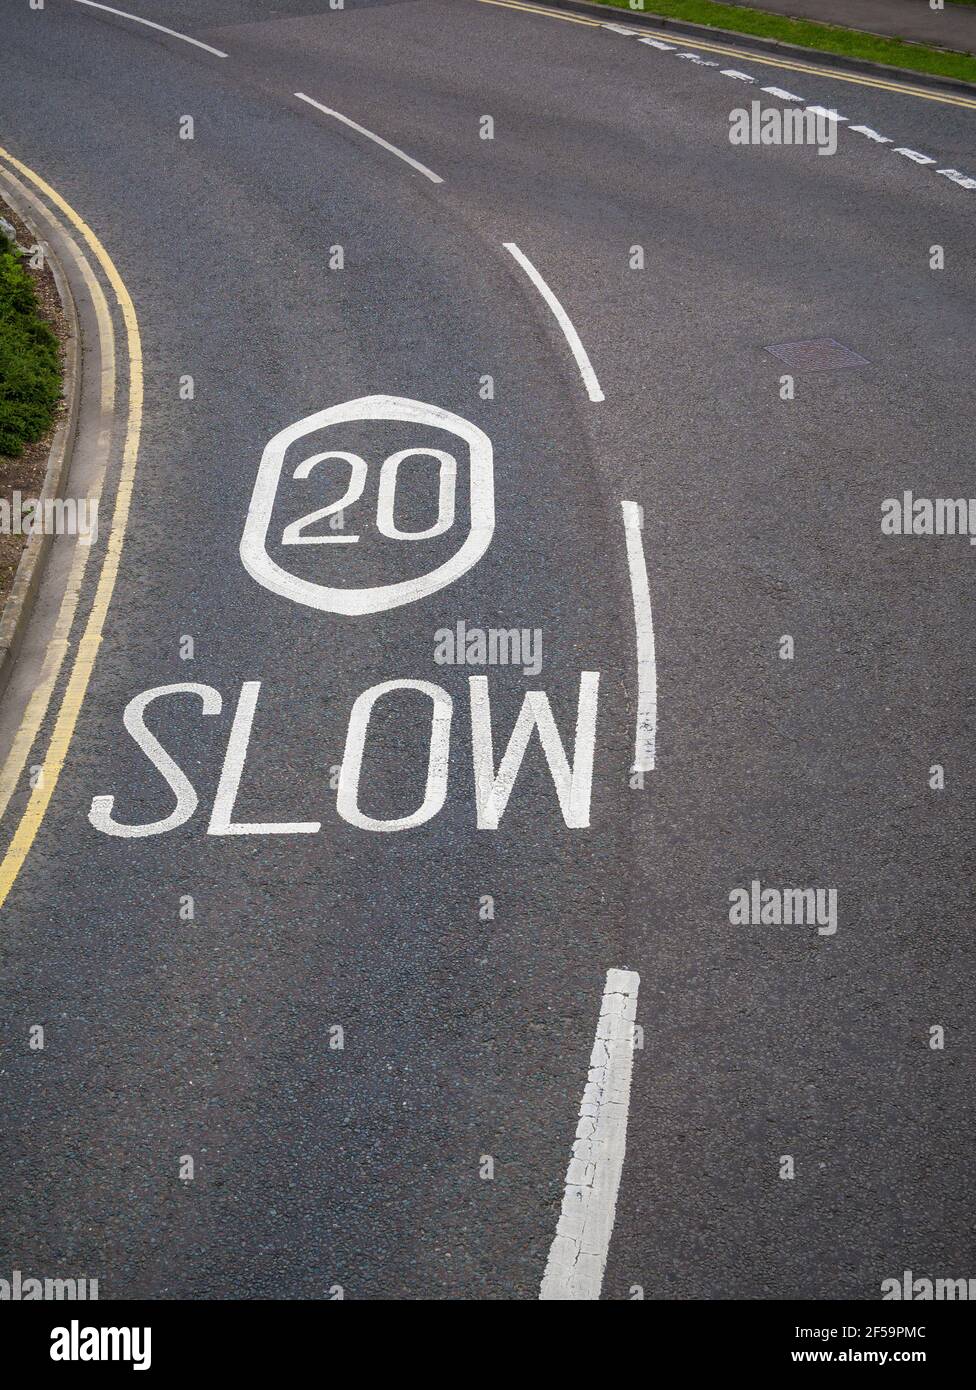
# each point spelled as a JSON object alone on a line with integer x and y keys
{"x": 124, "y": 14}
{"x": 578, "y": 1256}
{"x": 645, "y": 738}
{"x": 377, "y": 139}
{"x": 563, "y": 319}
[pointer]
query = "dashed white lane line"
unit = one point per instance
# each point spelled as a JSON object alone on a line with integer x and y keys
{"x": 377, "y": 139}
{"x": 866, "y": 130}
{"x": 150, "y": 24}
{"x": 562, "y": 318}
{"x": 578, "y": 1255}
{"x": 826, "y": 112}
{"x": 789, "y": 65}
{"x": 645, "y": 738}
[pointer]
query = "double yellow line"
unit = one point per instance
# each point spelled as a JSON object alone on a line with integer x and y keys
{"x": 746, "y": 55}
{"x": 91, "y": 638}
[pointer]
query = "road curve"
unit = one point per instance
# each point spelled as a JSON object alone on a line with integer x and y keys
{"x": 373, "y": 1041}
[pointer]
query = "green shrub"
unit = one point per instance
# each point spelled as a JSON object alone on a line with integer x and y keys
{"x": 825, "y": 38}
{"x": 30, "y": 369}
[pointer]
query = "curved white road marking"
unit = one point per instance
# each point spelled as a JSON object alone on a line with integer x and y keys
{"x": 150, "y": 24}
{"x": 578, "y": 1255}
{"x": 563, "y": 319}
{"x": 377, "y": 139}
{"x": 645, "y": 738}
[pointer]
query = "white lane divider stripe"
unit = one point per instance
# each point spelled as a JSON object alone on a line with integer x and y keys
{"x": 562, "y": 318}
{"x": 913, "y": 155}
{"x": 825, "y": 112}
{"x": 150, "y": 24}
{"x": 782, "y": 93}
{"x": 578, "y": 1255}
{"x": 645, "y": 738}
{"x": 377, "y": 139}
{"x": 871, "y": 134}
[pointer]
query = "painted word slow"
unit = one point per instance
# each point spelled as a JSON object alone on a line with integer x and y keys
{"x": 493, "y": 781}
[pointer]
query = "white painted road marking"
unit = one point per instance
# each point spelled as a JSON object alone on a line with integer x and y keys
{"x": 781, "y": 92}
{"x": 562, "y": 318}
{"x": 294, "y": 532}
{"x": 446, "y": 495}
{"x": 573, "y": 784}
{"x": 176, "y": 779}
{"x": 331, "y": 598}
{"x": 573, "y": 781}
{"x": 438, "y": 761}
{"x": 377, "y": 139}
{"x": 222, "y": 816}
{"x": 871, "y": 134}
{"x": 962, "y": 180}
{"x": 578, "y": 1255}
{"x": 645, "y": 739}
{"x": 150, "y": 24}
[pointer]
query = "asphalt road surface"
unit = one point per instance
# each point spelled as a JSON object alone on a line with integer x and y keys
{"x": 289, "y": 263}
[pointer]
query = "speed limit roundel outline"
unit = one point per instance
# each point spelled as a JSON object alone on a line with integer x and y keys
{"x": 331, "y": 599}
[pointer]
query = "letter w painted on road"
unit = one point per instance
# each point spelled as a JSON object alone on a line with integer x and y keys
{"x": 573, "y": 784}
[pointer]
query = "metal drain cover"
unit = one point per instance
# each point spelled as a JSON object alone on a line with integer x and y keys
{"x": 817, "y": 355}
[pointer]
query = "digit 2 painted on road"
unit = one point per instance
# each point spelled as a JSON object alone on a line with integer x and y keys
{"x": 334, "y": 598}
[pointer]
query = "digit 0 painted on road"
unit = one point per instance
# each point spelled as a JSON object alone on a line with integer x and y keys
{"x": 333, "y": 598}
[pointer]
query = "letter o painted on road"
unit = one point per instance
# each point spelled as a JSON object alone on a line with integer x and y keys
{"x": 435, "y": 792}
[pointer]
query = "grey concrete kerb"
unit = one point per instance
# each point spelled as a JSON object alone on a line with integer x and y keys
{"x": 20, "y": 601}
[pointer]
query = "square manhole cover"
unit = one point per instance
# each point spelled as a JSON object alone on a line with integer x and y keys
{"x": 817, "y": 355}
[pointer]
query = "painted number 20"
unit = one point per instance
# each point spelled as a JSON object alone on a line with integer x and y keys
{"x": 295, "y": 532}
{"x": 327, "y": 592}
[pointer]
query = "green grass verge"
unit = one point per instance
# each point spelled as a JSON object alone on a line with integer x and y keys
{"x": 824, "y": 37}
{"x": 30, "y": 368}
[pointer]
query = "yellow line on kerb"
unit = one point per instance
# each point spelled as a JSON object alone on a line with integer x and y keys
{"x": 91, "y": 638}
{"x": 551, "y": 14}
{"x": 58, "y": 645}
{"x": 746, "y": 55}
